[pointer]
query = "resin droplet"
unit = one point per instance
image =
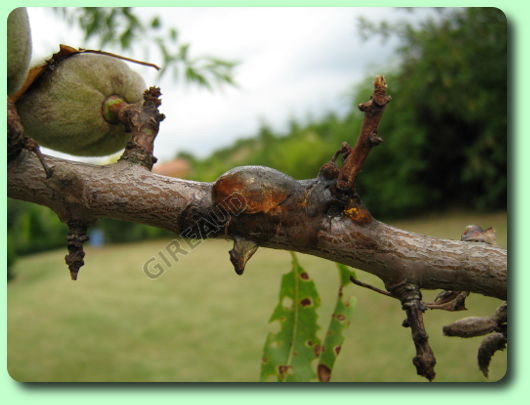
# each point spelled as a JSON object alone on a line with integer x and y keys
{"x": 241, "y": 253}
{"x": 260, "y": 189}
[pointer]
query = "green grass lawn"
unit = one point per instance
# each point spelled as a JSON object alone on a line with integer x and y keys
{"x": 199, "y": 321}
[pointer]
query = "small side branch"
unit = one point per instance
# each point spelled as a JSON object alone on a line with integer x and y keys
{"x": 77, "y": 236}
{"x": 143, "y": 123}
{"x": 16, "y": 140}
{"x": 448, "y": 300}
{"x": 410, "y": 297}
{"x": 31, "y": 145}
{"x": 491, "y": 344}
{"x": 494, "y": 326}
{"x": 368, "y": 138}
{"x": 370, "y": 287}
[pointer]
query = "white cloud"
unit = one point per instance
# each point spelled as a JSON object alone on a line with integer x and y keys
{"x": 294, "y": 62}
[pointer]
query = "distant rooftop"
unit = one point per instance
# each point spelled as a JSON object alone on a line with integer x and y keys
{"x": 175, "y": 168}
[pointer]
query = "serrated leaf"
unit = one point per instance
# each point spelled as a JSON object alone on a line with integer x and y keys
{"x": 288, "y": 355}
{"x": 345, "y": 274}
{"x": 340, "y": 320}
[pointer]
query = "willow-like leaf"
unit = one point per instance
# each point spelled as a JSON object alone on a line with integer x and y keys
{"x": 289, "y": 354}
{"x": 340, "y": 320}
{"x": 125, "y": 28}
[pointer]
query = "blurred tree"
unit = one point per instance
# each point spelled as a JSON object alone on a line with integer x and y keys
{"x": 120, "y": 231}
{"x": 33, "y": 228}
{"x": 11, "y": 257}
{"x": 446, "y": 130}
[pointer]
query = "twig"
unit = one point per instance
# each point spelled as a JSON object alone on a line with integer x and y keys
{"x": 143, "y": 123}
{"x": 449, "y": 300}
{"x": 488, "y": 347}
{"x": 368, "y": 138}
{"x": 34, "y": 147}
{"x": 477, "y": 326}
{"x": 370, "y": 287}
{"x": 76, "y": 238}
{"x": 16, "y": 140}
{"x": 410, "y": 297}
{"x": 139, "y": 62}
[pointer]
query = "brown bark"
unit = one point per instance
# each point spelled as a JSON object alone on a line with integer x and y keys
{"x": 368, "y": 138}
{"x": 303, "y": 221}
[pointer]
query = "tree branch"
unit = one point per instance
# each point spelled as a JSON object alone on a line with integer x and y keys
{"x": 255, "y": 206}
{"x": 367, "y": 139}
{"x": 290, "y": 214}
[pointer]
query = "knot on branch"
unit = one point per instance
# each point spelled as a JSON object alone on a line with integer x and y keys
{"x": 144, "y": 123}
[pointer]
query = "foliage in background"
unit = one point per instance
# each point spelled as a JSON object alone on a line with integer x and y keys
{"x": 34, "y": 228}
{"x": 123, "y": 28}
{"x": 445, "y": 132}
{"x": 11, "y": 257}
{"x": 290, "y": 354}
{"x": 115, "y": 231}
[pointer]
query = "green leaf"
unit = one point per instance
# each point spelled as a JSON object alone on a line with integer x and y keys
{"x": 288, "y": 354}
{"x": 183, "y": 51}
{"x": 155, "y": 22}
{"x": 195, "y": 76}
{"x": 123, "y": 27}
{"x": 340, "y": 320}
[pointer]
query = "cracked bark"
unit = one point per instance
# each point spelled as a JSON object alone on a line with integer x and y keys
{"x": 130, "y": 192}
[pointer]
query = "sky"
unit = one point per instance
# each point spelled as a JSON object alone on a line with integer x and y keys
{"x": 293, "y": 63}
